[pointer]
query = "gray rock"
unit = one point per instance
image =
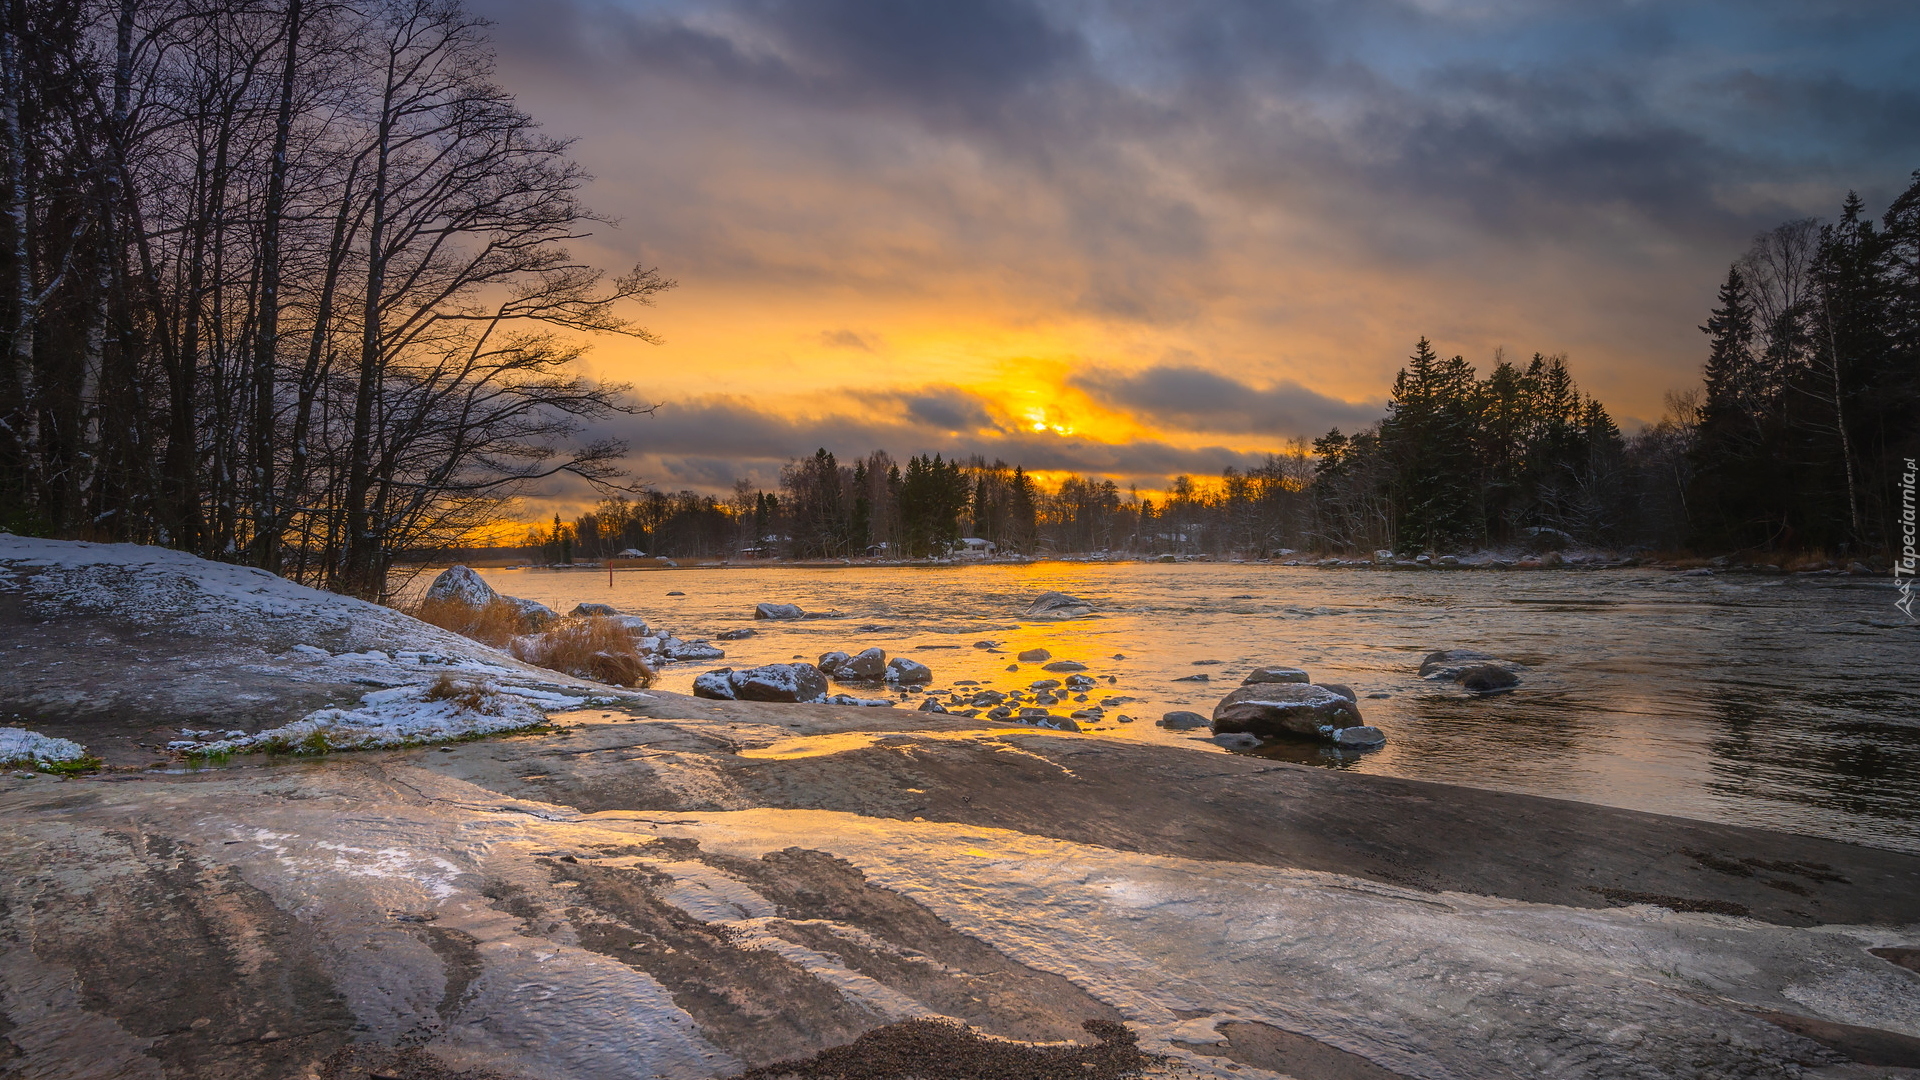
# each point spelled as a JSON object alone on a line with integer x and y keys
{"x": 1065, "y": 665}
{"x": 633, "y": 624}
{"x": 461, "y": 586}
{"x": 1058, "y": 605}
{"x": 780, "y": 682}
{"x": 1275, "y": 709}
{"x": 1342, "y": 689}
{"x": 1182, "y": 720}
{"x": 1043, "y": 684}
{"x": 930, "y": 705}
{"x": 589, "y": 611}
{"x": 902, "y": 670}
{"x": 675, "y": 649}
{"x": 532, "y": 612}
{"x": 1080, "y": 682}
{"x": 849, "y": 699}
{"x": 778, "y": 611}
{"x": 736, "y": 635}
{"x": 999, "y": 712}
{"x": 1489, "y": 674}
{"x": 1034, "y": 656}
{"x": 986, "y": 644}
{"x": 1359, "y": 738}
{"x": 1447, "y": 664}
{"x": 1275, "y": 674}
{"x": 1488, "y": 679}
{"x": 769, "y": 682}
{"x": 717, "y": 685}
{"x": 1235, "y": 740}
{"x": 869, "y": 665}
{"x": 1202, "y": 677}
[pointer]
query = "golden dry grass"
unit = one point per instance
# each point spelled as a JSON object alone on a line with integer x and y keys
{"x": 465, "y": 693}
{"x": 496, "y": 624}
{"x": 593, "y": 648}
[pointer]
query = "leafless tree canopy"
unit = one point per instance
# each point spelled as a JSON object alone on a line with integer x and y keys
{"x": 286, "y": 281}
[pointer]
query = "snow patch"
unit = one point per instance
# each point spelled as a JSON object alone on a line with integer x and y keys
{"x": 20, "y": 745}
{"x": 397, "y": 717}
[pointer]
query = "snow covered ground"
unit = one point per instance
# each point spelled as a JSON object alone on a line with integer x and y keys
{"x": 128, "y": 648}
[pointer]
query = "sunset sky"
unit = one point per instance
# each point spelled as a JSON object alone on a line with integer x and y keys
{"x": 1136, "y": 238}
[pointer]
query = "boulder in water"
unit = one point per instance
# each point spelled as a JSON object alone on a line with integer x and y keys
{"x": 1065, "y": 665}
{"x": 717, "y": 685}
{"x": 768, "y": 682}
{"x": 1276, "y": 709}
{"x": 869, "y": 665}
{"x": 1182, "y": 721}
{"x": 780, "y": 682}
{"x": 1034, "y": 656}
{"x": 736, "y": 635}
{"x": 778, "y": 611}
{"x": 675, "y": 649}
{"x": 1359, "y": 738}
{"x": 1488, "y": 674}
{"x": 1058, "y": 605}
{"x": 1236, "y": 740}
{"x": 1275, "y": 675}
{"x": 902, "y": 670}
{"x": 458, "y": 584}
{"x": 1488, "y": 679}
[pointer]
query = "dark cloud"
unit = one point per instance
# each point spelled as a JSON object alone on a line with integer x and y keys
{"x": 948, "y": 409}
{"x": 1194, "y": 399}
{"x": 707, "y": 443}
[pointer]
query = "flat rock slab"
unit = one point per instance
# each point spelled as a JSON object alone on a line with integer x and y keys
{"x": 248, "y": 922}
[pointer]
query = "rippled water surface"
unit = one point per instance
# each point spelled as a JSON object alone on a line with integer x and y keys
{"x": 1788, "y": 703}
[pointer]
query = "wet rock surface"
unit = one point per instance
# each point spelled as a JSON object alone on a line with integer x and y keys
{"x": 694, "y": 888}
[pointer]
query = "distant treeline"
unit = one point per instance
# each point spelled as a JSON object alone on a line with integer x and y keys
{"x": 1810, "y": 403}
{"x": 279, "y": 282}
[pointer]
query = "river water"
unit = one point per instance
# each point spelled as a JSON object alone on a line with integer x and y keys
{"x": 1787, "y": 703}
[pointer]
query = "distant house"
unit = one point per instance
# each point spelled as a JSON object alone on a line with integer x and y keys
{"x": 975, "y": 547}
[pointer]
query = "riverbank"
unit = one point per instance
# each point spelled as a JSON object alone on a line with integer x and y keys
{"x": 660, "y": 885}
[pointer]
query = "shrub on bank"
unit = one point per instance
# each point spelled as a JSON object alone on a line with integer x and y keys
{"x": 597, "y": 647}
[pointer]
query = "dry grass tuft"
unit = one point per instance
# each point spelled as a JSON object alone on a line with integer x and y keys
{"x": 495, "y": 624}
{"x": 593, "y": 648}
{"x": 468, "y": 694}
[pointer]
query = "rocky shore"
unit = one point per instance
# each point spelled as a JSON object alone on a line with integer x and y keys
{"x": 650, "y": 884}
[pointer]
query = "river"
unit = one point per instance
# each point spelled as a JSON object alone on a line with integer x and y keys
{"x": 1789, "y": 703}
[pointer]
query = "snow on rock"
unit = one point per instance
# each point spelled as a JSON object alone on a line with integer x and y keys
{"x": 215, "y": 640}
{"x": 458, "y": 584}
{"x": 18, "y": 746}
{"x": 1058, "y": 605}
{"x": 777, "y": 611}
{"x": 849, "y": 699}
{"x": 397, "y": 717}
{"x": 768, "y": 682}
{"x": 902, "y": 670}
{"x": 535, "y": 613}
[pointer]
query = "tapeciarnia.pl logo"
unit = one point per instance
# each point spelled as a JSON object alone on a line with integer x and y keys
{"x": 1903, "y": 567}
